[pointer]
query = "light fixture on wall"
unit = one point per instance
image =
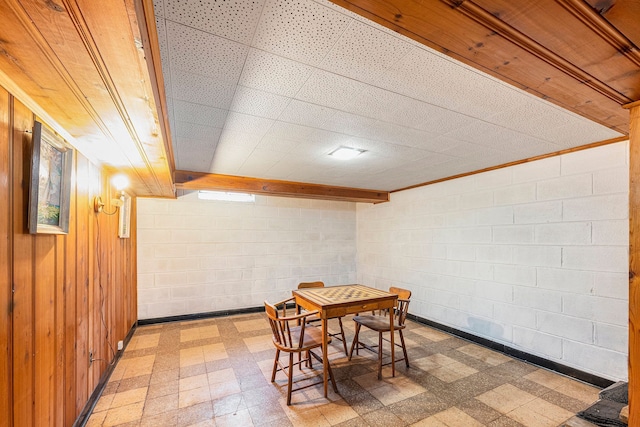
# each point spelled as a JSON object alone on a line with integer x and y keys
{"x": 120, "y": 182}
{"x": 346, "y": 153}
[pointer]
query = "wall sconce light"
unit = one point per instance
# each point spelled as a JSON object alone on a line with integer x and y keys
{"x": 120, "y": 182}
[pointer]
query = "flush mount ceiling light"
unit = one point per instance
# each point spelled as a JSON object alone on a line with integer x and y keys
{"x": 346, "y": 153}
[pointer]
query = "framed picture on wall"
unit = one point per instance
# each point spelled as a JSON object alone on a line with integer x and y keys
{"x": 124, "y": 222}
{"x": 50, "y": 186}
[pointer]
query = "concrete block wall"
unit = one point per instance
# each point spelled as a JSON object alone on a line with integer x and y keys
{"x": 534, "y": 256}
{"x": 198, "y": 256}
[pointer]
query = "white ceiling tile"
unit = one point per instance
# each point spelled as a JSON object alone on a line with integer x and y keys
{"x": 234, "y": 138}
{"x": 194, "y": 155}
{"x": 199, "y": 114}
{"x": 299, "y": 29}
{"x": 247, "y": 123}
{"x": 364, "y": 52}
{"x": 258, "y": 103}
{"x": 275, "y": 74}
{"x": 277, "y": 145}
{"x": 158, "y": 8}
{"x": 376, "y": 103}
{"x": 292, "y": 131}
{"x": 228, "y": 159}
{"x": 232, "y": 19}
{"x": 199, "y": 89}
{"x": 197, "y": 132}
{"x": 198, "y": 52}
{"x": 329, "y": 89}
{"x": 306, "y": 114}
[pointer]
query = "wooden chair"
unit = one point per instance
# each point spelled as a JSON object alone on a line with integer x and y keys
{"x": 291, "y": 335}
{"x": 338, "y": 335}
{"x": 379, "y": 322}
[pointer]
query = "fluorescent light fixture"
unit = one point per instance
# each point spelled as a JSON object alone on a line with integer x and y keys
{"x": 226, "y": 196}
{"x": 346, "y": 153}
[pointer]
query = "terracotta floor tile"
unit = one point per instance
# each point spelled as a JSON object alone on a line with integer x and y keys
{"x": 193, "y": 396}
{"x": 240, "y": 418}
{"x": 505, "y": 398}
{"x": 123, "y": 414}
{"x": 196, "y": 381}
{"x": 217, "y": 372}
{"x": 129, "y": 397}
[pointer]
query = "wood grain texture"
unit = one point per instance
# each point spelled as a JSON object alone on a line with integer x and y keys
{"x": 634, "y": 267}
{"x": 55, "y": 319}
{"x": 209, "y": 181}
{"x": 77, "y": 63}
{"x": 5, "y": 260}
{"x": 23, "y": 262}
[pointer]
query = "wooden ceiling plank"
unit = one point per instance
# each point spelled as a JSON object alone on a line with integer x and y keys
{"x": 622, "y": 14}
{"x": 588, "y": 41}
{"x": 186, "y": 180}
{"x": 71, "y": 62}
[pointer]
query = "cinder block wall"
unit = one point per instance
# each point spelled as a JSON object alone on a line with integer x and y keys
{"x": 198, "y": 256}
{"x": 533, "y": 256}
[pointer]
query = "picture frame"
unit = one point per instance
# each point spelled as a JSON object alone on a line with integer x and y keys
{"x": 50, "y": 184}
{"x": 124, "y": 223}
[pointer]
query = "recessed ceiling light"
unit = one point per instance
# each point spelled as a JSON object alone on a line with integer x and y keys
{"x": 346, "y": 153}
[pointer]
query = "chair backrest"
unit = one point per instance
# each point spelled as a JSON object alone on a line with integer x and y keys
{"x": 404, "y": 295}
{"x": 304, "y": 285}
{"x": 287, "y": 335}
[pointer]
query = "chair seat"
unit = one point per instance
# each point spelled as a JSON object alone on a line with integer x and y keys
{"x": 377, "y": 323}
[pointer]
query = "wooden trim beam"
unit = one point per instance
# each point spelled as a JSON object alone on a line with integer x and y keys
{"x": 517, "y": 162}
{"x": 186, "y": 180}
{"x": 634, "y": 267}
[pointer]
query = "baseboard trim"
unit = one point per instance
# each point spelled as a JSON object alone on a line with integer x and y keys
{"x": 82, "y": 419}
{"x": 518, "y": 354}
{"x": 198, "y": 316}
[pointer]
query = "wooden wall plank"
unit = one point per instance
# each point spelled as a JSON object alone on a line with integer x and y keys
{"x": 82, "y": 286}
{"x": 634, "y": 267}
{"x": 70, "y": 306}
{"x": 23, "y": 260}
{"x": 44, "y": 323}
{"x": 56, "y": 314}
{"x": 5, "y": 261}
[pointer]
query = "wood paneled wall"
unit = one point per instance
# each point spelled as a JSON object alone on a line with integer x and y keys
{"x": 62, "y": 296}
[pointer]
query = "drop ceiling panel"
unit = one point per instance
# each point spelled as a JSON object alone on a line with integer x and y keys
{"x": 199, "y": 114}
{"x": 329, "y": 89}
{"x": 258, "y": 102}
{"x": 274, "y": 74}
{"x": 233, "y": 19}
{"x": 198, "y": 52}
{"x": 300, "y": 30}
{"x": 289, "y": 81}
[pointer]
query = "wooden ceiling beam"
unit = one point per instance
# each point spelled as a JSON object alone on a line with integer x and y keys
{"x": 186, "y": 180}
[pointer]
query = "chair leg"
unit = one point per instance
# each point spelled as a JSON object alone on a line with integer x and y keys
{"x": 344, "y": 340}
{"x": 355, "y": 341}
{"x": 333, "y": 380}
{"x": 379, "y": 355}
{"x": 290, "y": 379}
{"x": 404, "y": 348}
{"x": 275, "y": 365}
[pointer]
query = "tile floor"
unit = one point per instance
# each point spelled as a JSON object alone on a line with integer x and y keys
{"x": 216, "y": 372}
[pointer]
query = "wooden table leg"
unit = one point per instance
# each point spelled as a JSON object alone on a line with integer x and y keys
{"x": 325, "y": 358}
{"x": 392, "y": 339}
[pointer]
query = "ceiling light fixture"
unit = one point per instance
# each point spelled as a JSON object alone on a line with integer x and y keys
{"x": 346, "y": 153}
{"x": 226, "y": 196}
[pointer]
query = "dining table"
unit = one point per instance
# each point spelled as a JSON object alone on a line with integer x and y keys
{"x": 338, "y": 301}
